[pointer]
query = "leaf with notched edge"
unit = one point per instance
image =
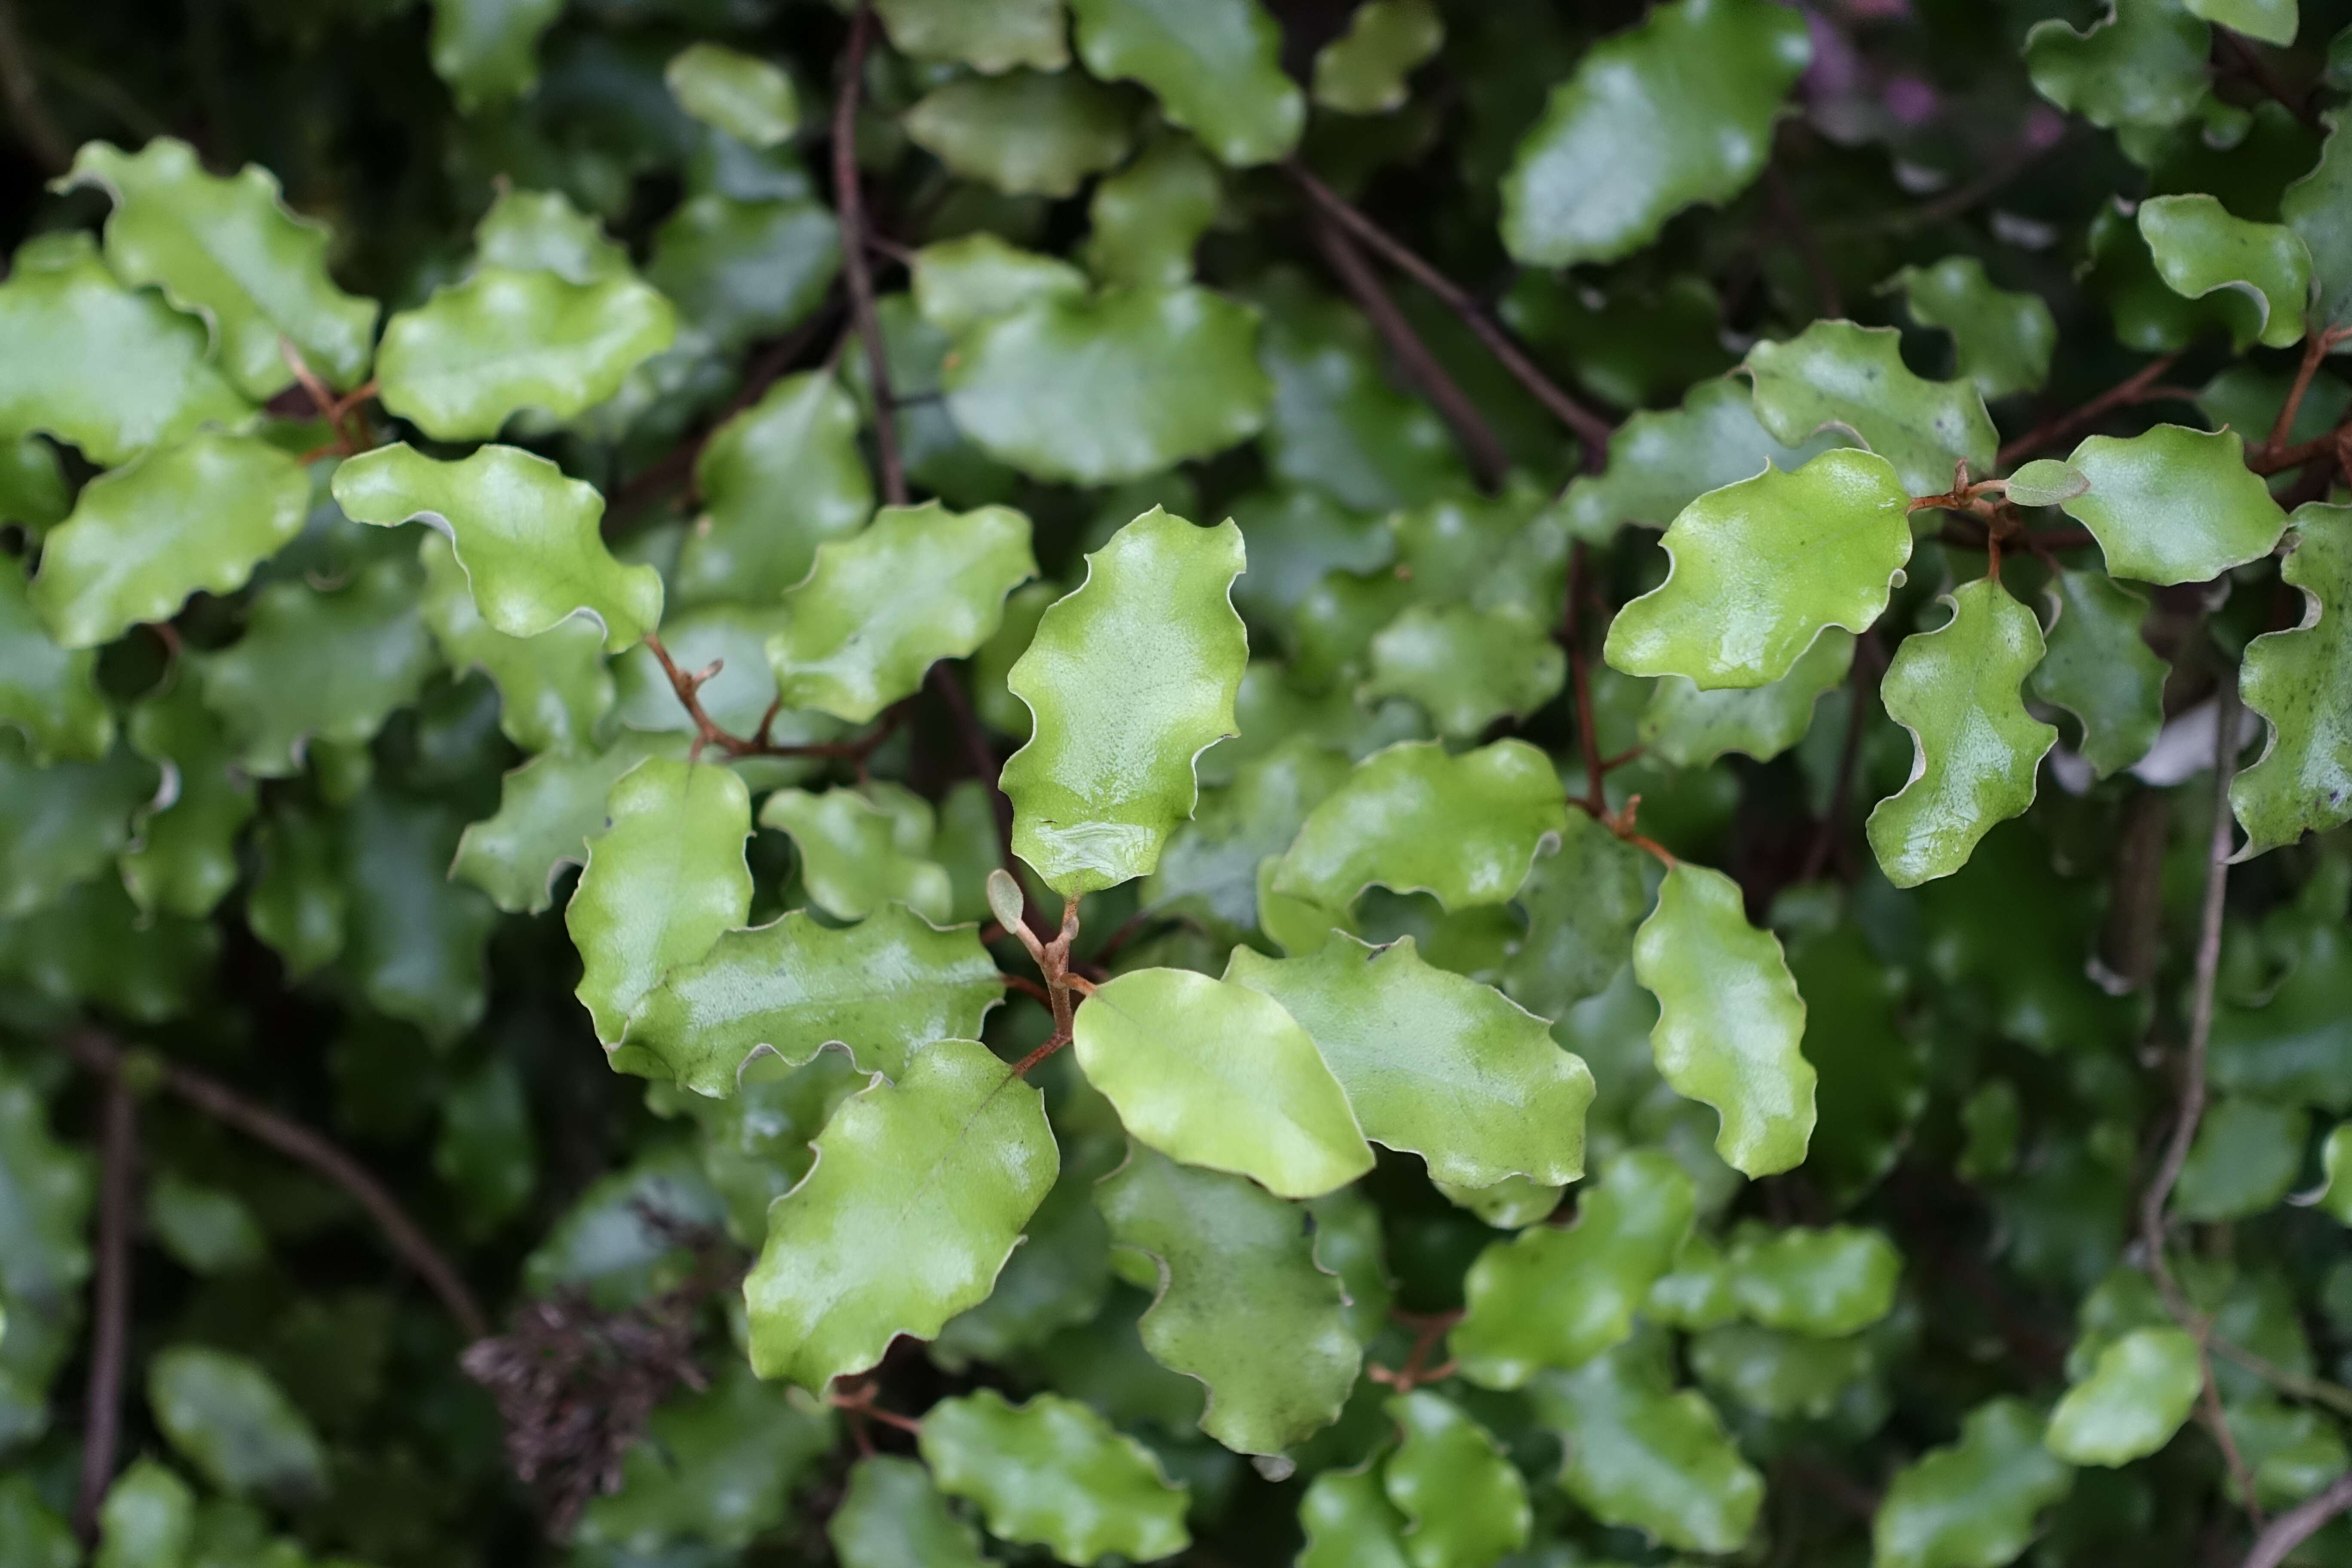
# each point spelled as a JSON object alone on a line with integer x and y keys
{"x": 1642, "y": 1456}
{"x": 1052, "y": 1473}
{"x": 893, "y": 1517}
{"x": 48, "y": 692}
{"x": 548, "y": 810}
{"x": 2101, "y": 670}
{"x": 1691, "y": 728}
{"x": 860, "y": 851}
{"x": 1836, "y": 374}
{"x": 554, "y": 689}
{"x": 1971, "y": 1503}
{"x": 2296, "y": 679}
{"x": 2174, "y": 505}
{"x": 1026, "y": 132}
{"x": 2198, "y": 247}
{"x": 1464, "y": 1501}
{"x": 989, "y": 35}
{"x": 1661, "y": 460}
{"x": 777, "y": 480}
{"x": 1215, "y": 65}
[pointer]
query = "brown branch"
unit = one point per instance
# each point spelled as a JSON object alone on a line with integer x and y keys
{"x": 28, "y": 110}
{"x": 2131, "y": 389}
{"x": 1480, "y": 445}
{"x": 1590, "y": 429}
{"x": 2314, "y": 349}
{"x": 2299, "y": 1524}
{"x": 849, "y": 206}
{"x": 1960, "y": 198}
{"x": 708, "y": 732}
{"x": 2258, "y": 70}
{"x": 100, "y": 1054}
{"x": 110, "y": 1306}
{"x": 1827, "y": 298}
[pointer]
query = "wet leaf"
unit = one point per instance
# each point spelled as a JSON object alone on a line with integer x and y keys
{"x": 548, "y": 810}
{"x": 2199, "y": 248}
{"x": 2174, "y": 505}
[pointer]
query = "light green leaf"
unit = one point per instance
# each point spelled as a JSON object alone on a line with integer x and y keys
{"x": 112, "y": 370}
{"x": 147, "y": 1520}
{"x": 1836, "y": 374}
{"x": 918, "y": 1195}
{"x": 1695, "y": 1294}
{"x": 1729, "y": 1019}
{"x": 660, "y": 887}
{"x": 2272, "y": 21}
{"x": 2001, "y": 339}
{"x": 1060, "y": 1276}
{"x": 1026, "y": 134}
{"x": 2316, "y": 207}
{"x": 486, "y": 49}
{"x": 526, "y": 536}
{"x": 860, "y": 851}
{"x": 228, "y": 249}
{"x": 2139, "y": 68}
{"x": 742, "y": 269}
{"x": 2101, "y": 670}
{"x": 477, "y": 352}
{"x": 49, "y": 693}
{"x": 1581, "y": 902}
{"x": 717, "y": 1465}
{"x": 1691, "y": 728}
{"x": 1762, "y": 568}
{"x": 1363, "y": 70}
{"x": 1148, "y": 216}
{"x": 1214, "y": 859}
{"x": 1553, "y": 1297}
{"x": 1955, "y": 689}
{"x": 893, "y": 1517}
{"x": 1212, "y": 1073}
{"x": 1971, "y": 1503}
{"x": 989, "y": 36}
{"x": 1645, "y": 1456}
{"x": 739, "y": 94}
{"x": 1467, "y": 667}
{"x": 1052, "y": 1473}
{"x": 1115, "y": 388}
{"x": 414, "y": 938}
{"x": 548, "y": 810}
{"x": 1350, "y": 1523}
{"x": 63, "y": 823}
{"x": 1433, "y": 1064}
{"x": 325, "y": 667}
{"x": 1215, "y": 65}
{"x": 1241, "y": 1303}
{"x": 777, "y": 480}
{"x": 199, "y": 515}
{"x": 738, "y": 698}
{"x": 2046, "y": 482}
{"x": 1129, "y": 678}
{"x": 919, "y": 584}
{"x": 882, "y": 988}
{"x": 2296, "y": 679}
{"x": 1661, "y": 460}
{"x": 1464, "y": 1500}
{"x": 1676, "y": 111}
{"x": 1412, "y": 819}
{"x": 32, "y": 485}
{"x": 229, "y": 1420}
{"x": 1825, "y": 1284}
{"x": 2247, "y": 1155}
{"x": 2199, "y": 248}
{"x": 183, "y": 859}
{"x": 554, "y": 688}
{"x": 963, "y": 281}
{"x": 2336, "y": 1175}
{"x": 541, "y": 231}
{"x": 2174, "y": 505}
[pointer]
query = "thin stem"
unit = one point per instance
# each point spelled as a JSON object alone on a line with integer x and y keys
{"x": 110, "y": 1308}
{"x": 849, "y": 204}
{"x": 1054, "y": 1042}
{"x": 101, "y": 1055}
{"x": 1960, "y": 198}
{"x": 2299, "y": 1524}
{"x": 2258, "y": 70}
{"x": 2314, "y": 349}
{"x": 1590, "y": 428}
{"x": 2128, "y": 390}
{"x": 707, "y": 731}
{"x": 2294, "y": 1386}
{"x": 28, "y": 110}
{"x": 2217, "y": 1424}
{"x": 1488, "y": 460}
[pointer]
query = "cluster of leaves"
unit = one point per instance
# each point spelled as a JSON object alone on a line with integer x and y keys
{"x": 1315, "y": 774}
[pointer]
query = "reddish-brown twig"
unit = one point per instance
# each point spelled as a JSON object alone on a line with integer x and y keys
{"x": 2131, "y": 389}
{"x": 2299, "y": 1524}
{"x": 110, "y": 1305}
{"x": 708, "y": 732}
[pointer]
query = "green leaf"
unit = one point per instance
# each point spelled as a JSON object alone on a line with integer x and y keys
{"x": 485, "y": 49}
{"x": 860, "y": 851}
{"x": 1645, "y": 1456}
{"x": 1971, "y": 1504}
{"x": 989, "y": 36}
{"x": 2101, "y": 670}
{"x": 1147, "y": 218}
{"x": 2247, "y": 1155}
{"x": 229, "y": 250}
{"x": 1467, "y": 667}
{"x": 63, "y": 823}
{"x": 1212, "y": 860}
{"x": 147, "y": 1519}
{"x": 1676, "y": 111}
{"x": 526, "y": 536}
{"x": 229, "y": 1420}
{"x": 1955, "y": 689}
{"x": 1552, "y": 1297}
{"x": 1412, "y": 819}
{"x": 413, "y": 940}
{"x": 32, "y": 485}
{"x": 45, "y": 692}
{"x": 882, "y": 988}
{"x": 717, "y": 1465}
{"x": 1128, "y": 677}
{"x": 1363, "y": 70}
{"x": 2139, "y": 68}
{"x": 919, "y": 584}
{"x": 1825, "y": 1284}
{"x": 487, "y": 1151}
{"x": 297, "y": 905}
{"x": 29, "y": 1531}
{"x": 548, "y": 810}
{"x": 1466, "y": 1504}
{"x": 112, "y": 370}
{"x": 2001, "y": 339}
{"x": 1691, "y": 728}
{"x": 141, "y": 540}
{"x": 1215, "y": 65}
{"x": 2294, "y": 1043}
{"x": 2046, "y": 482}
{"x": 1433, "y": 1064}
{"x": 1778, "y": 1374}
{"x": 660, "y": 886}
{"x": 1582, "y": 902}
{"x": 316, "y": 668}
{"x": 1835, "y": 374}
{"x": 477, "y": 352}
{"x": 2335, "y": 1197}
{"x": 1212, "y": 1073}
{"x": 2199, "y": 248}
{"x": 1729, "y": 1019}
{"x": 739, "y": 94}
{"x": 2174, "y": 505}
{"x": 742, "y": 269}
{"x": 1241, "y": 1303}
{"x": 183, "y": 859}
{"x": 1052, "y": 1473}
{"x": 893, "y": 1517}
{"x": 541, "y": 231}
{"x": 1350, "y": 1523}
{"x": 207, "y": 1230}
{"x": 1762, "y": 568}
{"x": 554, "y": 688}
{"x": 1115, "y": 388}
{"x": 918, "y": 1195}
{"x": 1060, "y": 1276}
{"x": 2296, "y": 679}
{"x": 1661, "y": 460}
{"x": 1026, "y": 132}
{"x": 963, "y": 281}
{"x": 2272, "y": 21}
{"x": 2315, "y": 207}
{"x": 777, "y": 480}
{"x": 738, "y": 698}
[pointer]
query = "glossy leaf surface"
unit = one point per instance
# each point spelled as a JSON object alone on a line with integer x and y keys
{"x": 2304, "y": 778}
{"x": 1971, "y": 1504}
{"x": 2174, "y": 505}
{"x": 1213, "y": 64}
{"x": 1463, "y": 1503}
{"x": 2099, "y": 669}
{"x": 1643, "y": 1456}
{"x": 1836, "y": 373}
{"x": 1053, "y": 1473}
